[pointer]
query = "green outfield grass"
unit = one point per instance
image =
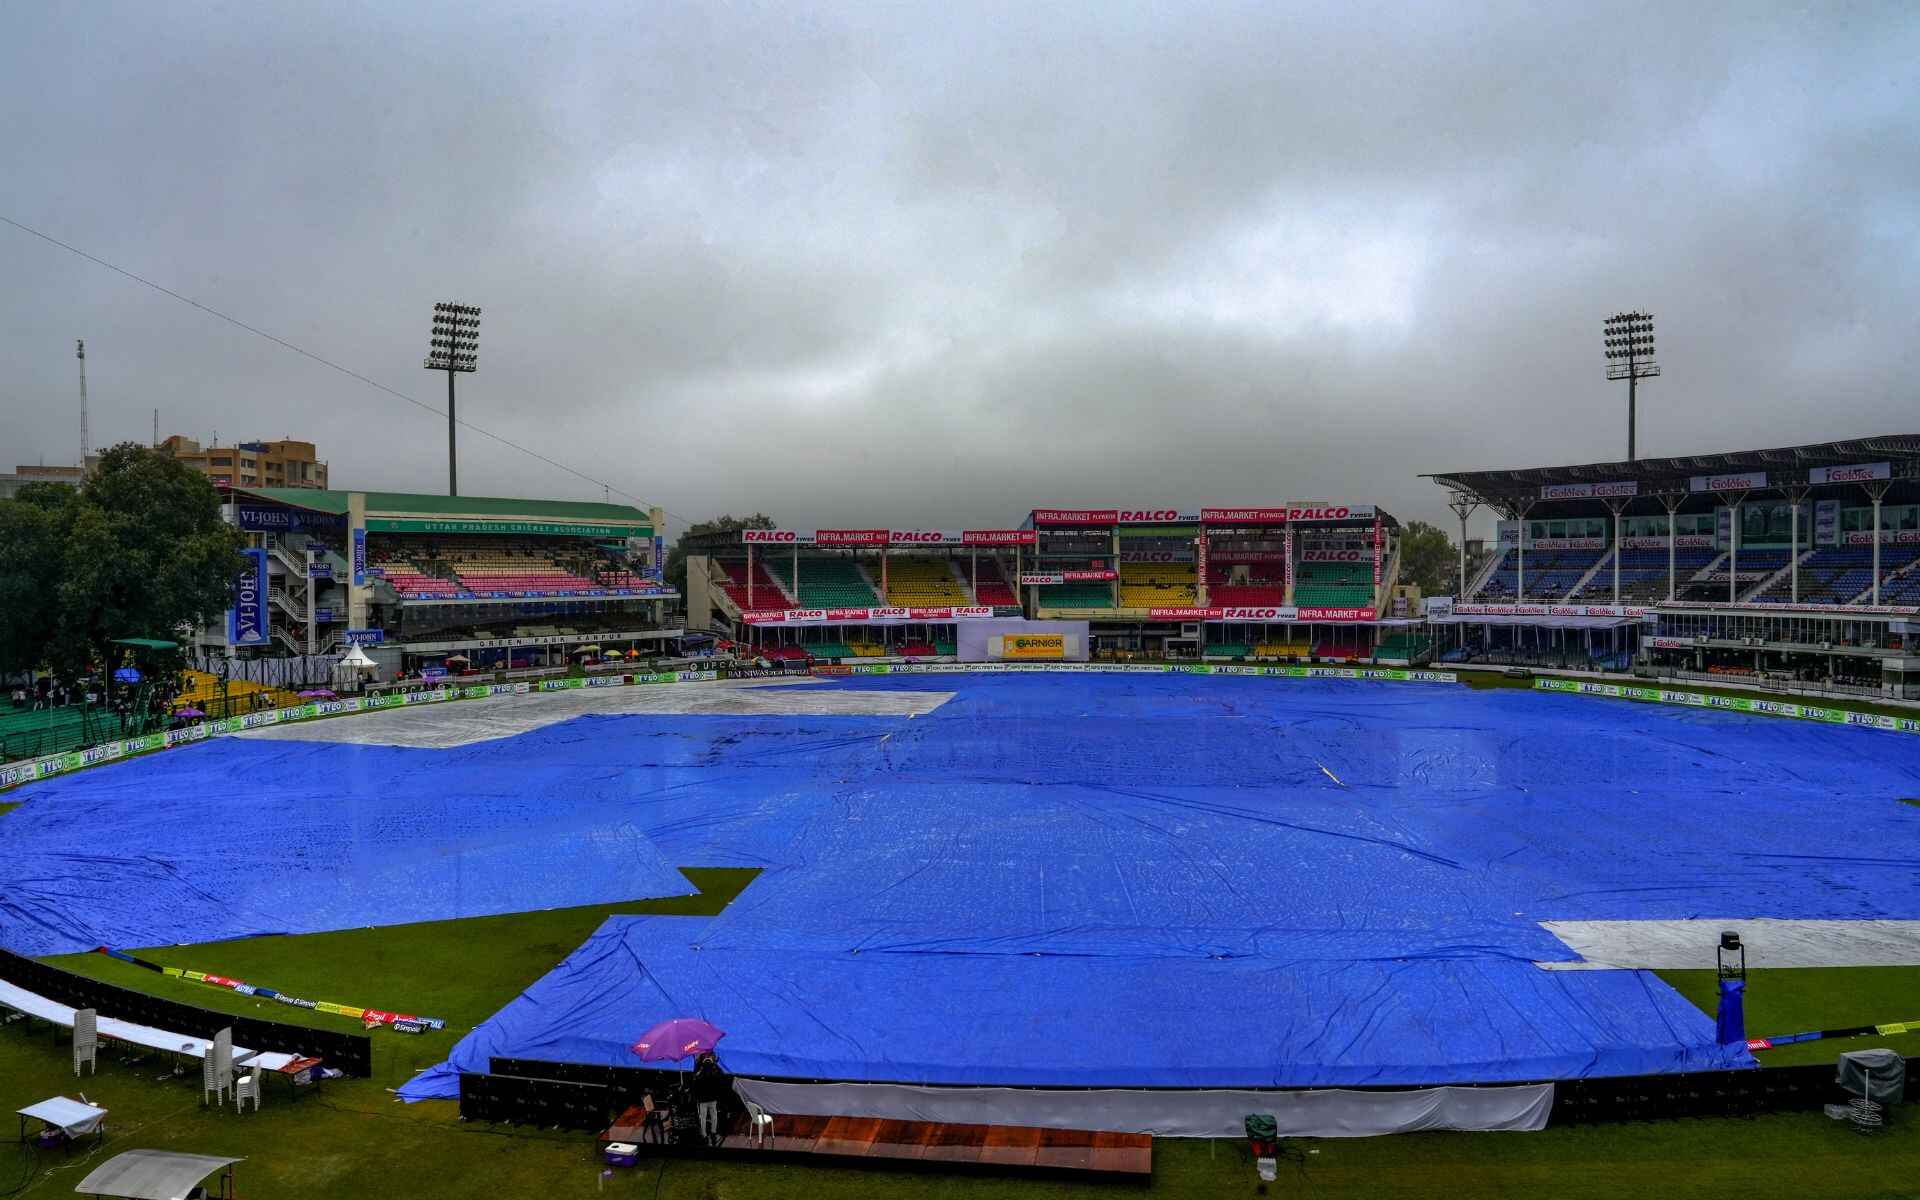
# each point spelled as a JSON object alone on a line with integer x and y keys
{"x": 354, "y": 1139}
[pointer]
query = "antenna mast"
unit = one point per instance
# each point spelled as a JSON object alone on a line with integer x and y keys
{"x": 80, "y": 352}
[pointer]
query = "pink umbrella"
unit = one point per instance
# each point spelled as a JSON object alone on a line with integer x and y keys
{"x": 680, "y": 1038}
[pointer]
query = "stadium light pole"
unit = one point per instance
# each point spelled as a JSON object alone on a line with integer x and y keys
{"x": 455, "y": 348}
{"x": 1629, "y": 341}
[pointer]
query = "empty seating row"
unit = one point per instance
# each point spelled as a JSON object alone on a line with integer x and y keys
{"x": 1333, "y": 585}
{"x": 923, "y": 583}
{"x": 825, "y": 582}
{"x": 1157, "y": 585}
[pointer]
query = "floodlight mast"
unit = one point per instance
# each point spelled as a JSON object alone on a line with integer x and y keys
{"x": 455, "y": 348}
{"x": 1629, "y": 342}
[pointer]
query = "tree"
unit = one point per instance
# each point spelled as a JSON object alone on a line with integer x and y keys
{"x": 676, "y": 572}
{"x": 1428, "y": 559}
{"x": 138, "y": 551}
{"x": 33, "y": 536}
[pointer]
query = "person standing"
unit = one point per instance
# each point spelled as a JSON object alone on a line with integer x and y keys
{"x": 710, "y": 1087}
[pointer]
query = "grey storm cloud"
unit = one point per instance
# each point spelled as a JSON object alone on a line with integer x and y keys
{"x": 931, "y": 265}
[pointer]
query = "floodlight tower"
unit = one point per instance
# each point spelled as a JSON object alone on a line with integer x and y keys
{"x": 455, "y": 348}
{"x": 1629, "y": 338}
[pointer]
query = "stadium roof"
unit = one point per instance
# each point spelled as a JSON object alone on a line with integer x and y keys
{"x": 1656, "y": 475}
{"x": 387, "y": 503}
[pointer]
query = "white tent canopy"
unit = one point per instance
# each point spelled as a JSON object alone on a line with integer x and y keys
{"x": 151, "y": 1175}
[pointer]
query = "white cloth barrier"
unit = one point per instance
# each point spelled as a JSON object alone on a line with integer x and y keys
{"x": 1321, "y": 1112}
{"x": 112, "y": 1028}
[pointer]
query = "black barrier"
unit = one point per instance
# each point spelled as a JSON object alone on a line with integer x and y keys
{"x": 544, "y": 1103}
{"x": 1592, "y": 1101}
{"x": 348, "y": 1052}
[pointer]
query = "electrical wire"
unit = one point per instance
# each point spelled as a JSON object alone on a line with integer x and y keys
{"x": 328, "y": 363}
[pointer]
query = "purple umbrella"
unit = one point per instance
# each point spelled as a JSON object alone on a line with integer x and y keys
{"x": 188, "y": 712}
{"x": 680, "y": 1038}
{"x": 317, "y": 694}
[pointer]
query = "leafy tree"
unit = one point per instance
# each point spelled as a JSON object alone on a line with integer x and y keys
{"x": 677, "y": 556}
{"x": 138, "y": 551}
{"x": 1428, "y": 559}
{"x": 33, "y": 536}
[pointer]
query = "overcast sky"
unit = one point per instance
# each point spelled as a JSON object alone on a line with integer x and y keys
{"x": 935, "y": 265}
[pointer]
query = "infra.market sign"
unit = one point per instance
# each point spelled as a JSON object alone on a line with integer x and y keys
{"x": 539, "y": 528}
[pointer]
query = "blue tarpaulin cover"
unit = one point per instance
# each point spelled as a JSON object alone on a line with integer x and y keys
{"x": 1049, "y": 879}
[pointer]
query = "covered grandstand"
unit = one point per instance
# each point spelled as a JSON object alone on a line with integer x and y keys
{"x": 419, "y": 580}
{"x": 1686, "y": 550}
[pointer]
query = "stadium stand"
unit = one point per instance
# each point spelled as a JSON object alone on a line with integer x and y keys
{"x": 923, "y": 583}
{"x": 767, "y": 596}
{"x": 1264, "y": 584}
{"x": 1753, "y": 561}
{"x": 1077, "y": 595}
{"x": 1157, "y": 585}
{"x": 1336, "y": 585}
{"x": 1551, "y": 574}
{"x": 1234, "y": 650}
{"x": 202, "y": 691}
{"x": 489, "y": 566}
{"x": 1643, "y": 575}
{"x": 826, "y": 582}
{"x": 990, "y": 586}
{"x": 1404, "y": 645}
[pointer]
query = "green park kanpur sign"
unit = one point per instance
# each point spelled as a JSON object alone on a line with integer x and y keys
{"x": 548, "y": 528}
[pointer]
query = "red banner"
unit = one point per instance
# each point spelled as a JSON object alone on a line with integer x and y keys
{"x": 1183, "y": 614}
{"x": 850, "y": 537}
{"x": 997, "y": 537}
{"x": 1243, "y": 516}
{"x": 1315, "y": 511}
{"x": 1076, "y": 516}
{"x": 782, "y": 536}
{"x": 1336, "y": 614}
{"x": 1153, "y": 516}
{"x": 856, "y": 616}
{"x": 1288, "y": 559}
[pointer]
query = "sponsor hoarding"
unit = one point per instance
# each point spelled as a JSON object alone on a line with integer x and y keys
{"x": 247, "y": 619}
{"x": 1155, "y": 516}
{"x": 1684, "y": 541}
{"x": 777, "y": 537}
{"x": 997, "y": 537}
{"x": 359, "y": 558}
{"x": 1744, "y": 481}
{"x": 1244, "y": 516}
{"x": 1590, "y": 491}
{"x": 1898, "y": 537}
{"x": 1072, "y": 517}
{"x": 1052, "y": 646}
{"x": 258, "y": 518}
{"x": 850, "y": 537}
{"x": 1320, "y": 510}
{"x": 1857, "y": 473}
{"x": 1331, "y": 556}
{"x": 924, "y": 537}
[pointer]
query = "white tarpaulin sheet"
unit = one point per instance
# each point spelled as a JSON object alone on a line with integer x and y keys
{"x": 1683, "y": 944}
{"x": 1326, "y": 1112}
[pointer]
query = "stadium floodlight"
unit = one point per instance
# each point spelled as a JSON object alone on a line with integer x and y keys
{"x": 455, "y": 348}
{"x": 1629, "y": 340}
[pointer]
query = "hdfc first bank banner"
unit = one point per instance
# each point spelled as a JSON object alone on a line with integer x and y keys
{"x": 247, "y": 619}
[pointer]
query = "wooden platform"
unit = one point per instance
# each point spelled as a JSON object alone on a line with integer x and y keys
{"x": 907, "y": 1143}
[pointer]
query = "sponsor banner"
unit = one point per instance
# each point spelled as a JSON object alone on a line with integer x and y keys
{"x": 860, "y": 616}
{"x": 359, "y": 558}
{"x": 1287, "y": 558}
{"x": 1900, "y": 537}
{"x": 1320, "y": 510}
{"x": 1157, "y": 556}
{"x": 257, "y": 518}
{"x": 1155, "y": 516}
{"x": 924, "y": 537}
{"x": 850, "y": 537}
{"x": 1336, "y": 614}
{"x": 778, "y": 537}
{"x": 1256, "y": 615}
{"x": 247, "y": 619}
{"x": 319, "y": 570}
{"x": 1826, "y": 523}
{"x": 1769, "y": 708}
{"x": 1073, "y": 517}
{"x": 1590, "y": 491}
{"x": 1034, "y": 646}
{"x": 364, "y": 637}
{"x": 1744, "y": 481}
{"x": 997, "y": 537}
{"x": 1684, "y": 541}
{"x": 1667, "y": 643}
{"x": 1837, "y": 610}
{"x": 1216, "y": 555}
{"x": 1379, "y": 548}
{"x": 1554, "y": 610}
{"x": 1183, "y": 614}
{"x": 541, "y": 528}
{"x": 1330, "y": 555}
{"x": 1857, "y": 473}
{"x": 1201, "y": 548}
{"x": 1584, "y": 543}
{"x": 1047, "y": 578}
{"x": 1244, "y": 516}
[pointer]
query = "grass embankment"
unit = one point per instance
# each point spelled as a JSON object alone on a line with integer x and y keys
{"x": 353, "y": 1139}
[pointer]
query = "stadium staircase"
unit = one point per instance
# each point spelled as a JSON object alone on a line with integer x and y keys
{"x": 1602, "y": 570}
{"x": 1901, "y": 585}
{"x": 1759, "y": 593}
{"x": 769, "y": 595}
{"x": 1484, "y": 572}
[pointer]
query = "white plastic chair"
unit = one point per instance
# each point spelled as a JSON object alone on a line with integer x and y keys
{"x": 245, "y": 1088}
{"x": 86, "y": 1040}
{"x": 759, "y": 1123}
